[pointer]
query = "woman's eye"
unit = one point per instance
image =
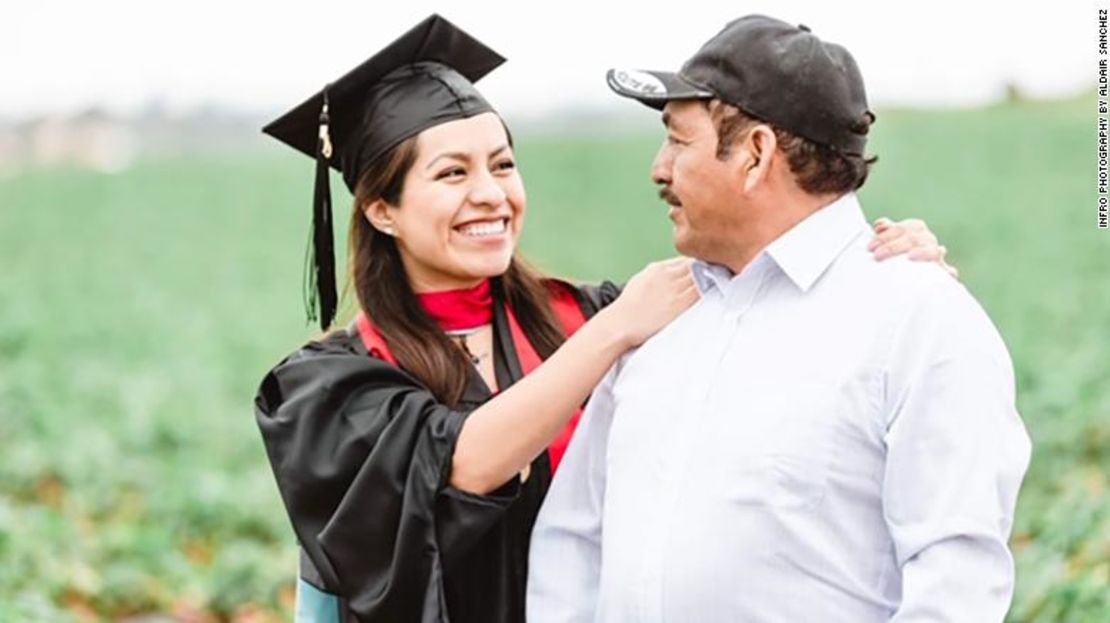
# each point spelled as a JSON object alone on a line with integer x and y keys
{"x": 505, "y": 165}
{"x": 453, "y": 172}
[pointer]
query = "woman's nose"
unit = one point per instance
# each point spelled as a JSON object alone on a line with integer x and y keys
{"x": 487, "y": 191}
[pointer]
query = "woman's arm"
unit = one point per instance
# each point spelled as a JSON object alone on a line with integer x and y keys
{"x": 504, "y": 435}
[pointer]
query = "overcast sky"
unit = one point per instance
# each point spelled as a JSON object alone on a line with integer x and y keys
{"x": 267, "y": 56}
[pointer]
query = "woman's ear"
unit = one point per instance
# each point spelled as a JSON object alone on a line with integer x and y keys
{"x": 754, "y": 155}
{"x": 378, "y": 213}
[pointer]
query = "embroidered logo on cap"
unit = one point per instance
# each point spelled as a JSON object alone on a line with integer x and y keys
{"x": 638, "y": 83}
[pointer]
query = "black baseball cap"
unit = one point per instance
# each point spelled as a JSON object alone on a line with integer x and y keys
{"x": 777, "y": 72}
{"x": 422, "y": 79}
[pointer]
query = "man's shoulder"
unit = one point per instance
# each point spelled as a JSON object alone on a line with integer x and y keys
{"x": 897, "y": 282}
{"x": 900, "y": 295}
{"x": 920, "y": 298}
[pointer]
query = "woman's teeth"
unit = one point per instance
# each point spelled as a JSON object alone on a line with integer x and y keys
{"x": 483, "y": 229}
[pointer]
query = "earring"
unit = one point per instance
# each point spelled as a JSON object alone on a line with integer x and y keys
{"x": 387, "y": 230}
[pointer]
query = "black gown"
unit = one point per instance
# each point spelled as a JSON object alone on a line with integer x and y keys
{"x": 362, "y": 455}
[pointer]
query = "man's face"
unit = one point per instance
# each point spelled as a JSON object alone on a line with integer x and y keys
{"x": 702, "y": 191}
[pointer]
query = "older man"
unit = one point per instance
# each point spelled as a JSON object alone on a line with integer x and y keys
{"x": 822, "y": 437}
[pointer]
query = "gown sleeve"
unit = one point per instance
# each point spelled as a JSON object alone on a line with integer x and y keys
{"x": 362, "y": 457}
{"x": 592, "y": 298}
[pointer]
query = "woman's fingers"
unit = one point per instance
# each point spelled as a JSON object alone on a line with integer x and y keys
{"x": 952, "y": 270}
{"x": 911, "y": 236}
{"x": 925, "y": 254}
{"x": 904, "y": 242}
{"x": 679, "y": 263}
{"x": 691, "y": 294}
{"x": 890, "y": 232}
{"x": 918, "y": 246}
{"x": 897, "y": 246}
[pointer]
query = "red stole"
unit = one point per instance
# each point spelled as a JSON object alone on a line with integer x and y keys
{"x": 566, "y": 309}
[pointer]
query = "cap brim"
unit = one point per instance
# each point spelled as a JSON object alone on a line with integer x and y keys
{"x": 654, "y": 88}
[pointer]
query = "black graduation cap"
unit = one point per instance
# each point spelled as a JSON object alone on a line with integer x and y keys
{"x": 422, "y": 79}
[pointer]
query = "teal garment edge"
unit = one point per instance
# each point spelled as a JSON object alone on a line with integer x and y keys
{"x": 314, "y": 605}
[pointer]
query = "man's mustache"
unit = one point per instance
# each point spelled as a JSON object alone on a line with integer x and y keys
{"x": 666, "y": 195}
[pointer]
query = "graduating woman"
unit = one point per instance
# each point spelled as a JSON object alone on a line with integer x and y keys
{"x": 413, "y": 448}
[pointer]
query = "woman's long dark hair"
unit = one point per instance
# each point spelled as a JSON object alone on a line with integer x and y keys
{"x": 386, "y": 296}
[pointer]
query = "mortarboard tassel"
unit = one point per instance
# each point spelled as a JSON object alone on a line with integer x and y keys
{"x": 322, "y": 272}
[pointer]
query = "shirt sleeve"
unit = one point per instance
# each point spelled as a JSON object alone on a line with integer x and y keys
{"x": 564, "y": 566}
{"x": 362, "y": 455}
{"x": 956, "y": 455}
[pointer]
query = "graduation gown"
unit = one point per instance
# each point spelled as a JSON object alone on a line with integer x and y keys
{"x": 362, "y": 455}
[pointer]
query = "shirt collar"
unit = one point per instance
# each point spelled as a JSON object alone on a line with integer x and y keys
{"x": 708, "y": 276}
{"x": 806, "y": 250}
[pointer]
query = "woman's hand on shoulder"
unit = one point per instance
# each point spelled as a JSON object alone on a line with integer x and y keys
{"x": 653, "y": 298}
{"x": 912, "y": 237}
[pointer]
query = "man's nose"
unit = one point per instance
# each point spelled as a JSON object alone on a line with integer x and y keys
{"x": 661, "y": 167}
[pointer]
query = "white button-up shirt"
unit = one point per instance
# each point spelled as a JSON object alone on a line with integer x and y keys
{"x": 822, "y": 437}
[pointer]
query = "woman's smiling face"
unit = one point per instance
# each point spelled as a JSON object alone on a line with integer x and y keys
{"x": 462, "y": 206}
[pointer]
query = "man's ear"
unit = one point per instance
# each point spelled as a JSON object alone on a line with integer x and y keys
{"x": 753, "y": 153}
{"x": 378, "y": 213}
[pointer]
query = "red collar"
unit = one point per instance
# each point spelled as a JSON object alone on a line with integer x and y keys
{"x": 566, "y": 309}
{"x": 454, "y": 310}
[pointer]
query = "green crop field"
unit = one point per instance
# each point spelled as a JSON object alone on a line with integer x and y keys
{"x": 140, "y": 309}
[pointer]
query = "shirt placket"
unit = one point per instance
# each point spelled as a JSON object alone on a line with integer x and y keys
{"x": 669, "y": 454}
{"x": 734, "y": 299}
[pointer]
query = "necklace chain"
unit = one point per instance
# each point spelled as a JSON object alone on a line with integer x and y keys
{"x": 461, "y": 335}
{"x": 464, "y": 333}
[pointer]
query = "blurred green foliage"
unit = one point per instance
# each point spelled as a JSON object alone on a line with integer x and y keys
{"x": 140, "y": 310}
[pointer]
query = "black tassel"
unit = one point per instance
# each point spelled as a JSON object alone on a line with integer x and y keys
{"x": 321, "y": 275}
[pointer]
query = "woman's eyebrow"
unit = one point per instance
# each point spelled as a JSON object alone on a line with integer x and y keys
{"x": 458, "y": 155}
